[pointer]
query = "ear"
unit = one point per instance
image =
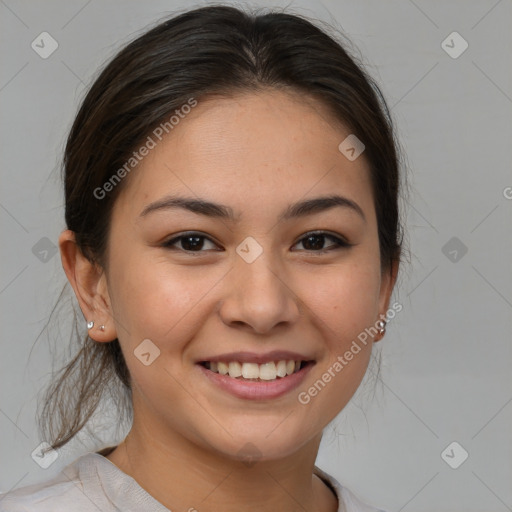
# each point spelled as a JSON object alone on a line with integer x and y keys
{"x": 90, "y": 285}
{"x": 388, "y": 281}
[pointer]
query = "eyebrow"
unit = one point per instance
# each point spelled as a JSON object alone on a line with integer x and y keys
{"x": 211, "y": 209}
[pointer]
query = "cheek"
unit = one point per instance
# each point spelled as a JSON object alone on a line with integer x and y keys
{"x": 343, "y": 304}
{"x": 155, "y": 300}
{"x": 344, "y": 299}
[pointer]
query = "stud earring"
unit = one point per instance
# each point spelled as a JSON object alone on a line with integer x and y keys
{"x": 90, "y": 324}
{"x": 102, "y": 327}
{"x": 381, "y": 326}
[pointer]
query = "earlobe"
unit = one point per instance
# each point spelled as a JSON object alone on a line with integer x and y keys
{"x": 89, "y": 284}
{"x": 387, "y": 284}
{"x": 380, "y": 325}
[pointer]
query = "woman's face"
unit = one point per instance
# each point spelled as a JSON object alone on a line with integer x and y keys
{"x": 251, "y": 287}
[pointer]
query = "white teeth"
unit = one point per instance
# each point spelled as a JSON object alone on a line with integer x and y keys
{"x": 281, "y": 369}
{"x": 250, "y": 371}
{"x": 266, "y": 371}
{"x": 235, "y": 369}
{"x": 223, "y": 368}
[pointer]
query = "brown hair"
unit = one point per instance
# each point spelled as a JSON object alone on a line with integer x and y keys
{"x": 210, "y": 50}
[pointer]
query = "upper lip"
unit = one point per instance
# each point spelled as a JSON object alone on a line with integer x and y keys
{"x": 251, "y": 357}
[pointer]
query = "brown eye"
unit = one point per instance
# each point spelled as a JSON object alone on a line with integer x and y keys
{"x": 190, "y": 242}
{"x": 315, "y": 242}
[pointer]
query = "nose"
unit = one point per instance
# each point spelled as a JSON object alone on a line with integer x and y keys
{"x": 258, "y": 297}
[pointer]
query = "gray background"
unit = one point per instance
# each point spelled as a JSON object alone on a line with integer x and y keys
{"x": 446, "y": 357}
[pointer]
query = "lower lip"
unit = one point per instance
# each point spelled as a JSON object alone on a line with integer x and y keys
{"x": 257, "y": 390}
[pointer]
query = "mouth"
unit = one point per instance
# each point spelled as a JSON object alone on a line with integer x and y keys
{"x": 257, "y": 372}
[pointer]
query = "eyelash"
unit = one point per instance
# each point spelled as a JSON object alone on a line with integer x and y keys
{"x": 339, "y": 243}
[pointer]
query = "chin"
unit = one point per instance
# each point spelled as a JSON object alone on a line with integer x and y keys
{"x": 278, "y": 441}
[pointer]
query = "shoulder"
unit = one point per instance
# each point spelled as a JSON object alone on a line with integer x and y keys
{"x": 74, "y": 488}
{"x": 348, "y": 501}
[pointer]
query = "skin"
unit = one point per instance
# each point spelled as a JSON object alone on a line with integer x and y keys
{"x": 257, "y": 153}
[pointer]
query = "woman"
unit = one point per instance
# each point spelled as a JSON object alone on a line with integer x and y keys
{"x": 233, "y": 240}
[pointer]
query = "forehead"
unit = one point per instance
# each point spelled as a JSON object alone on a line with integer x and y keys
{"x": 248, "y": 150}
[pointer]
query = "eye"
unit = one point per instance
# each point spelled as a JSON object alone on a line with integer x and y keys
{"x": 190, "y": 242}
{"x": 314, "y": 242}
{"x": 195, "y": 242}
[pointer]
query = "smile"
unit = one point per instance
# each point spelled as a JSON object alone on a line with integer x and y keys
{"x": 253, "y": 371}
{"x": 256, "y": 381}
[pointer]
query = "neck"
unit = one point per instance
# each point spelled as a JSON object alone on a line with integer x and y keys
{"x": 183, "y": 476}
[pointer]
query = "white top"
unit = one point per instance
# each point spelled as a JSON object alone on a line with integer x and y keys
{"x": 92, "y": 483}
